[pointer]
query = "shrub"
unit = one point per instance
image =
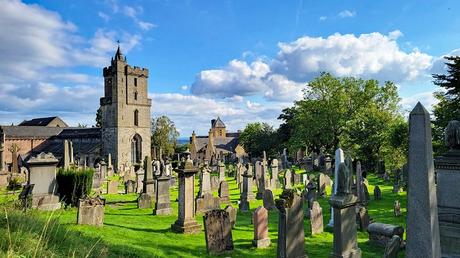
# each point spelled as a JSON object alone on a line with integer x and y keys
{"x": 74, "y": 184}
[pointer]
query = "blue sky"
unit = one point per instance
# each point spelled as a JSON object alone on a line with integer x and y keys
{"x": 241, "y": 60}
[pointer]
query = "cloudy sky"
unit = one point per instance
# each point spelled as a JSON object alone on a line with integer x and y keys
{"x": 241, "y": 60}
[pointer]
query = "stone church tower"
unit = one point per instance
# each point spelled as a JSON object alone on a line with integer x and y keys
{"x": 125, "y": 113}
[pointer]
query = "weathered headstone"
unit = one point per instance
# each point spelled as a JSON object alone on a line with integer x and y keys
{"x": 397, "y": 209}
{"x": 214, "y": 183}
{"x": 339, "y": 159}
{"x": 224, "y": 193}
{"x": 260, "y": 220}
{"x": 207, "y": 202}
{"x": 296, "y": 178}
{"x": 448, "y": 191}
{"x": 232, "y": 214}
{"x": 274, "y": 179}
{"x": 380, "y": 234}
{"x": 288, "y": 179}
{"x": 291, "y": 236}
{"x": 260, "y": 187}
{"x": 221, "y": 169}
{"x": 392, "y": 247}
{"x": 366, "y": 195}
{"x": 140, "y": 180}
{"x": 90, "y": 212}
{"x": 363, "y": 219}
{"x": 205, "y": 182}
{"x": 244, "y": 197}
{"x": 43, "y": 175}
{"x": 377, "y": 193}
{"x": 311, "y": 194}
{"x": 144, "y": 201}
{"x": 162, "y": 197}
{"x": 186, "y": 222}
{"x": 149, "y": 182}
{"x": 112, "y": 187}
{"x": 316, "y": 219}
{"x": 268, "y": 200}
{"x": 218, "y": 232}
{"x": 344, "y": 207}
{"x": 130, "y": 186}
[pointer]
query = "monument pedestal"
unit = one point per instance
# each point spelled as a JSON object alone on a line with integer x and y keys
{"x": 46, "y": 202}
{"x": 345, "y": 231}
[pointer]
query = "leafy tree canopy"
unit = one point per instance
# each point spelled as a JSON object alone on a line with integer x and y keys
{"x": 164, "y": 135}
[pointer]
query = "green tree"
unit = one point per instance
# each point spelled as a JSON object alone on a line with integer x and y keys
{"x": 353, "y": 113}
{"x": 448, "y": 107}
{"x": 164, "y": 135}
{"x": 99, "y": 117}
{"x": 257, "y": 138}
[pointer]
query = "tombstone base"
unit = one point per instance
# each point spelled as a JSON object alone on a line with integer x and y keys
{"x": 46, "y": 202}
{"x": 355, "y": 253}
{"x": 261, "y": 243}
{"x": 144, "y": 201}
{"x": 164, "y": 211}
{"x": 190, "y": 227}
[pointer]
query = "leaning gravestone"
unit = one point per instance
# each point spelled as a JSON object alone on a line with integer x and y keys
{"x": 316, "y": 218}
{"x": 380, "y": 234}
{"x": 90, "y": 212}
{"x": 223, "y": 192}
{"x": 392, "y": 247}
{"x": 363, "y": 219}
{"x": 218, "y": 232}
{"x": 260, "y": 220}
{"x": 232, "y": 214}
{"x": 422, "y": 209}
{"x": 291, "y": 236}
{"x": 269, "y": 202}
{"x": 377, "y": 193}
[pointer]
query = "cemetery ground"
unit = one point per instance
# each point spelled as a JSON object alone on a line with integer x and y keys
{"x": 132, "y": 232}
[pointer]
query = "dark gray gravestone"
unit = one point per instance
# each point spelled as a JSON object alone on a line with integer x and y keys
{"x": 380, "y": 233}
{"x": 269, "y": 202}
{"x": 218, "y": 232}
{"x": 392, "y": 247}
{"x": 366, "y": 196}
{"x": 422, "y": 209}
{"x": 291, "y": 236}
{"x": 377, "y": 193}
{"x": 316, "y": 219}
{"x": 223, "y": 192}
{"x": 232, "y": 214}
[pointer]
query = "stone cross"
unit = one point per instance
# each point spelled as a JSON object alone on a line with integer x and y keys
{"x": 260, "y": 220}
{"x": 186, "y": 222}
{"x": 422, "y": 210}
{"x": 291, "y": 236}
{"x": 14, "y": 149}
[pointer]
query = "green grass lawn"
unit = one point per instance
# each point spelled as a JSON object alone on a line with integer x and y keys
{"x": 132, "y": 232}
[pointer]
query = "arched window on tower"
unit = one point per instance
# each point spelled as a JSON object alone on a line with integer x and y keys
{"x": 135, "y": 95}
{"x": 136, "y": 117}
{"x": 136, "y": 149}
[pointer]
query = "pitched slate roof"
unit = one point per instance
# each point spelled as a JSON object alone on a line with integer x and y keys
{"x": 29, "y": 131}
{"x": 41, "y": 121}
{"x": 218, "y": 123}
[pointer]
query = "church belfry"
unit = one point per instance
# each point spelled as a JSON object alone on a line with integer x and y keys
{"x": 125, "y": 113}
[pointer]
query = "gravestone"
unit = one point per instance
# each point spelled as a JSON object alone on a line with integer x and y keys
{"x": 224, "y": 192}
{"x": 25, "y": 197}
{"x": 363, "y": 219}
{"x": 205, "y": 181}
{"x": 269, "y": 201}
{"x": 186, "y": 222}
{"x": 274, "y": 179}
{"x": 90, "y": 212}
{"x": 392, "y": 247}
{"x": 328, "y": 165}
{"x": 377, "y": 193}
{"x": 218, "y": 232}
{"x": 43, "y": 175}
{"x": 380, "y": 234}
{"x": 130, "y": 186}
{"x": 367, "y": 196}
{"x": 221, "y": 170}
{"x": 297, "y": 179}
{"x": 260, "y": 187}
{"x": 162, "y": 197}
{"x": 397, "y": 209}
{"x": 258, "y": 170}
{"x": 448, "y": 191}
{"x": 359, "y": 183}
{"x": 260, "y": 220}
{"x": 112, "y": 187}
{"x": 344, "y": 206}
{"x": 207, "y": 202}
{"x": 214, "y": 183}
{"x": 144, "y": 201}
{"x": 291, "y": 236}
{"x": 311, "y": 195}
{"x": 316, "y": 219}
{"x": 231, "y": 214}
{"x": 140, "y": 180}
{"x": 149, "y": 182}
{"x": 244, "y": 197}
{"x": 288, "y": 179}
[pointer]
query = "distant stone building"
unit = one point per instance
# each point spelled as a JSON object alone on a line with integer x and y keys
{"x": 218, "y": 144}
{"x": 125, "y": 132}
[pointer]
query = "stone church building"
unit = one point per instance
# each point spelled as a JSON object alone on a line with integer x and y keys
{"x": 217, "y": 144}
{"x": 124, "y": 134}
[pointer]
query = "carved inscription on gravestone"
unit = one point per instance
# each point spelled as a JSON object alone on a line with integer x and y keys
{"x": 218, "y": 231}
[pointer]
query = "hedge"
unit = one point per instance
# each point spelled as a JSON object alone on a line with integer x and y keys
{"x": 74, "y": 184}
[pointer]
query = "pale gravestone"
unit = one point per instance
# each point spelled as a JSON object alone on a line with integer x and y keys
{"x": 363, "y": 219}
{"x": 260, "y": 220}
{"x": 205, "y": 182}
{"x": 339, "y": 159}
{"x": 90, "y": 212}
{"x": 422, "y": 209}
{"x": 140, "y": 180}
{"x": 130, "y": 186}
{"x": 269, "y": 201}
{"x": 232, "y": 214}
{"x": 207, "y": 202}
{"x": 144, "y": 201}
{"x": 162, "y": 197}
{"x": 397, "y": 209}
{"x": 218, "y": 232}
{"x": 112, "y": 187}
{"x": 287, "y": 179}
{"x": 291, "y": 236}
{"x": 224, "y": 192}
{"x": 43, "y": 175}
{"x": 316, "y": 219}
{"x": 214, "y": 183}
{"x": 186, "y": 222}
{"x": 274, "y": 179}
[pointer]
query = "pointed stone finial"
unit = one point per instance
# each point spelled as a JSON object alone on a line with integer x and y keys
{"x": 419, "y": 109}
